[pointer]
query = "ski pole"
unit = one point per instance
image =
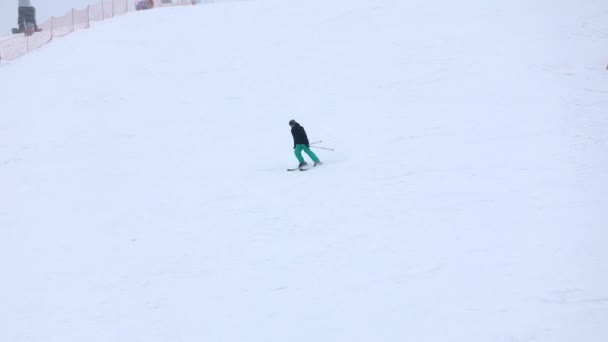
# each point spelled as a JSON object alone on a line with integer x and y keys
{"x": 323, "y": 148}
{"x": 316, "y": 142}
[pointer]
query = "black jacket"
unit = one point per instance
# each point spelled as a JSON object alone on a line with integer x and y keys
{"x": 299, "y": 135}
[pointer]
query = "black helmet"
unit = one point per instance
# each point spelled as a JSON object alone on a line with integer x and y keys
{"x": 292, "y": 122}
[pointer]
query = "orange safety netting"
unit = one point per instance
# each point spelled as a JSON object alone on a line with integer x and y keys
{"x": 17, "y": 45}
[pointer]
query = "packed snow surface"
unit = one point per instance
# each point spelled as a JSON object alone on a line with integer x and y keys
{"x": 144, "y": 193}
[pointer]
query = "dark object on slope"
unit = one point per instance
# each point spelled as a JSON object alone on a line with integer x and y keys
{"x": 144, "y": 5}
{"x": 26, "y": 21}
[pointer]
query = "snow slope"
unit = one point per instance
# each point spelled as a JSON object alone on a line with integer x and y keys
{"x": 143, "y": 192}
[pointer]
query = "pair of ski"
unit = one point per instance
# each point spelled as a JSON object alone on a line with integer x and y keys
{"x": 305, "y": 168}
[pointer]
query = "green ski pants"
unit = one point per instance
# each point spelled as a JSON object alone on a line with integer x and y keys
{"x": 298, "y": 151}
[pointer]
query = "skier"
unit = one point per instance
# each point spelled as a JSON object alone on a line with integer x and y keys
{"x": 300, "y": 143}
